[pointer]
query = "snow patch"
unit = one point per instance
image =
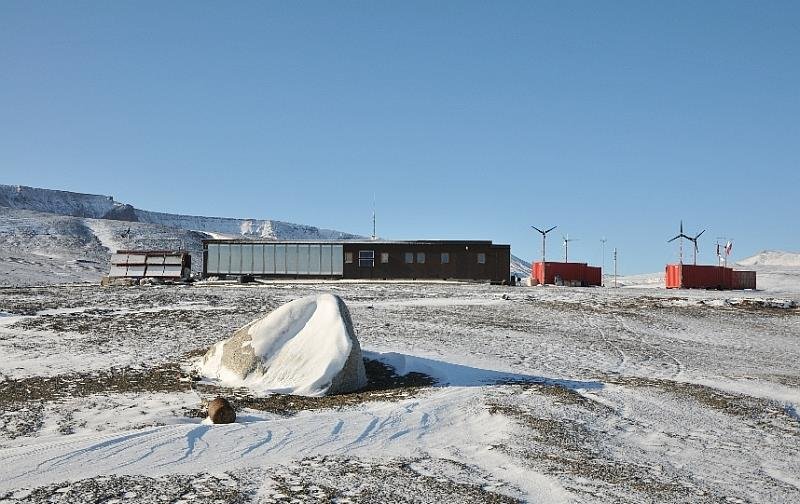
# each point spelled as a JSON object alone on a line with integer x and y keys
{"x": 305, "y": 347}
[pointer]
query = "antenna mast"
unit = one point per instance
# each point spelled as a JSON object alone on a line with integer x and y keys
{"x": 603, "y": 268}
{"x": 374, "y": 235}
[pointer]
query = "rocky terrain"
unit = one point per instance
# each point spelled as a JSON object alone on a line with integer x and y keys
{"x": 476, "y": 394}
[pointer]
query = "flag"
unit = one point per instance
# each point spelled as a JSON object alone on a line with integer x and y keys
{"x": 728, "y": 247}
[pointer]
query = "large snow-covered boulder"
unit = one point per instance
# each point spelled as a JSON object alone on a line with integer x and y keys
{"x": 305, "y": 347}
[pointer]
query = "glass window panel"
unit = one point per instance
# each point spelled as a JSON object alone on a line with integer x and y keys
{"x": 224, "y": 258}
{"x": 280, "y": 259}
{"x": 314, "y": 259}
{"x": 337, "y": 254}
{"x": 247, "y": 258}
{"x": 258, "y": 259}
{"x": 384, "y": 257}
{"x": 213, "y": 258}
{"x": 326, "y": 262}
{"x": 409, "y": 257}
{"x": 236, "y": 258}
{"x": 269, "y": 259}
{"x": 291, "y": 259}
{"x": 421, "y": 257}
{"x": 445, "y": 257}
{"x": 302, "y": 259}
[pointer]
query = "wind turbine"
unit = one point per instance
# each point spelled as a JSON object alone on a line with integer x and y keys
{"x": 544, "y": 238}
{"x": 681, "y": 236}
{"x": 694, "y": 241}
{"x": 567, "y": 239}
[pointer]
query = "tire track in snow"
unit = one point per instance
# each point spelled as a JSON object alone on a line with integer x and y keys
{"x": 678, "y": 364}
{"x": 620, "y": 354}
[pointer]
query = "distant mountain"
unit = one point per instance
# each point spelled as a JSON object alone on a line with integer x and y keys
{"x": 105, "y": 207}
{"x": 520, "y": 267}
{"x": 772, "y": 258}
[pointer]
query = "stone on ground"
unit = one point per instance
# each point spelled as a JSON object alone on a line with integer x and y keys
{"x": 305, "y": 347}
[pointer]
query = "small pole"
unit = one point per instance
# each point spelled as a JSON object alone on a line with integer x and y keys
{"x": 374, "y": 235}
{"x": 603, "y": 268}
{"x": 615, "y": 267}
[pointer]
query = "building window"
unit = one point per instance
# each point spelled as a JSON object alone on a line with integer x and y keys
{"x": 366, "y": 258}
{"x": 409, "y": 257}
{"x": 384, "y": 257}
{"x": 348, "y": 257}
{"x": 421, "y": 257}
{"x": 481, "y": 258}
{"x": 445, "y": 257}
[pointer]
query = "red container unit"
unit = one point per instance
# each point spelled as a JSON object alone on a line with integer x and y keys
{"x": 688, "y": 276}
{"x": 743, "y": 280}
{"x": 561, "y": 273}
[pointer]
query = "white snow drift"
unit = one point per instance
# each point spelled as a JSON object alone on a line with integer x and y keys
{"x": 305, "y": 347}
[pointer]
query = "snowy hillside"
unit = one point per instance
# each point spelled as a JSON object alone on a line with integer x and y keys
{"x": 104, "y": 207}
{"x": 520, "y": 267}
{"x": 57, "y": 202}
{"x": 43, "y": 248}
{"x": 777, "y": 270}
{"x": 772, "y": 258}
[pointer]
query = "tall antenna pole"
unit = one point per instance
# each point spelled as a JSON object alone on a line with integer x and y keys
{"x": 615, "y": 267}
{"x": 374, "y": 235}
{"x": 603, "y": 268}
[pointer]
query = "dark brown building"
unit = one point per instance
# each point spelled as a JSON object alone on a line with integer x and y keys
{"x": 366, "y": 259}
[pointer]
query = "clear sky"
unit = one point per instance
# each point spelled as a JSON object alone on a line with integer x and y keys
{"x": 465, "y": 120}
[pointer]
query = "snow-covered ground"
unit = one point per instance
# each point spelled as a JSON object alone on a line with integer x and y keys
{"x": 542, "y": 394}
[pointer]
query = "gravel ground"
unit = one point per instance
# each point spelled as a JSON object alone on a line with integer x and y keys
{"x": 619, "y": 395}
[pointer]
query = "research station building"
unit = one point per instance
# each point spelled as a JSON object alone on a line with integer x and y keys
{"x": 366, "y": 259}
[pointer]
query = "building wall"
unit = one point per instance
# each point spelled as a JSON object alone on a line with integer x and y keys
{"x": 429, "y": 260}
{"x": 456, "y": 260}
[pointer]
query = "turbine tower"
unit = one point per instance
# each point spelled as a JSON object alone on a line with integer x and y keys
{"x": 567, "y": 239}
{"x": 680, "y": 249}
{"x": 692, "y": 239}
{"x": 694, "y": 242}
{"x": 544, "y": 239}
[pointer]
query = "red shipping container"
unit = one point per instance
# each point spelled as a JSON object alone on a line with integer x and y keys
{"x": 689, "y": 276}
{"x": 568, "y": 273}
{"x": 744, "y": 279}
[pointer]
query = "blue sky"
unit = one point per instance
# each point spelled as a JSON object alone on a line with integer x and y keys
{"x": 466, "y": 120}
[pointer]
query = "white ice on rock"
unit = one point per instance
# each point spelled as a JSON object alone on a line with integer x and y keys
{"x": 305, "y": 347}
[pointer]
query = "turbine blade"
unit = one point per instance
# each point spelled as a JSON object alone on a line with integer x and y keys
{"x": 537, "y": 229}
{"x": 673, "y": 239}
{"x": 552, "y": 228}
{"x": 698, "y": 234}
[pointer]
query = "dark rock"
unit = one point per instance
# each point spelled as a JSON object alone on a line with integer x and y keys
{"x": 122, "y": 212}
{"x": 220, "y": 411}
